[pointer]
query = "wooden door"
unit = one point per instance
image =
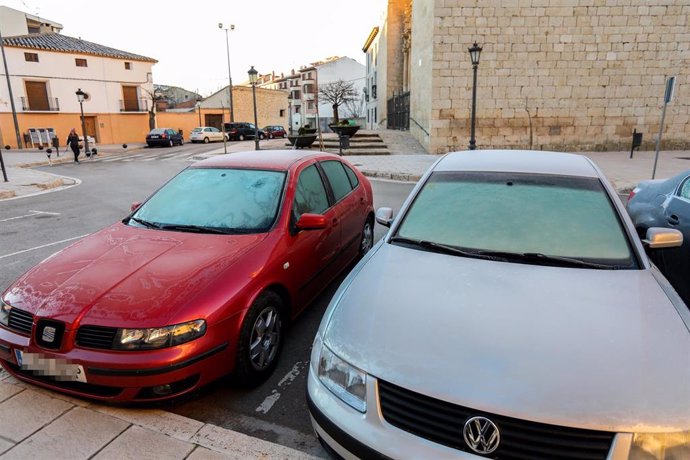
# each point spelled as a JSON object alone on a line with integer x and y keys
{"x": 37, "y": 95}
{"x": 131, "y": 101}
{"x": 90, "y": 127}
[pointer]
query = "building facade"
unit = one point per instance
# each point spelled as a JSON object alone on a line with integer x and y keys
{"x": 271, "y": 107}
{"x": 553, "y": 74}
{"x": 46, "y": 69}
{"x": 305, "y": 108}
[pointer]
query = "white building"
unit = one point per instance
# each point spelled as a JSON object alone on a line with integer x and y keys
{"x": 47, "y": 68}
{"x": 371, "y": 48}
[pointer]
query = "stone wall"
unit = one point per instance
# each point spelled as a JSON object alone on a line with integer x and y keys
{"x": 585, "y": 73}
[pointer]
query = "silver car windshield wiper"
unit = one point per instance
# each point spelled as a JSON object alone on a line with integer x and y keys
{"x": 543, "y": 258}
{"x": 145, "y": 223}
{"x": 446, "y": 249}
{"x": 195, "y": 228}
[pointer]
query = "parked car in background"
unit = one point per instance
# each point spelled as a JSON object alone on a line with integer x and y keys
{"x": 207, "y": 134}
{"x": 666, "y": 203}
{"x": 509, "y": 313}
{"x": 242, "y": 131}
{"x": 166, "y": 137}
{"x": 274, "y": 131}
{"x": 198, "y": 281}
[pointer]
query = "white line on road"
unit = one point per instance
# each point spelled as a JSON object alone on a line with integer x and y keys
{"x": 33, "y": 213}
{"x": 43, "y": 246}
{"x": 271, "y": 399}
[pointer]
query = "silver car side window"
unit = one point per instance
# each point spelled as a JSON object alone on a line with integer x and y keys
{"x": 685, "y": 189}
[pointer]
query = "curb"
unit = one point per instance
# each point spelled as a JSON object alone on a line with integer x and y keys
{"x": 400, "y": 177}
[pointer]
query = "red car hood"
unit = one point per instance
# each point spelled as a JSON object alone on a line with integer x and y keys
{"x": 124, "y": 276}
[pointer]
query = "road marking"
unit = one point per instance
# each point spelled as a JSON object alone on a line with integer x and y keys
{"x": 33, "y": 213}
{"x": 43, "y": 246}
{"x": 271, "y": 399}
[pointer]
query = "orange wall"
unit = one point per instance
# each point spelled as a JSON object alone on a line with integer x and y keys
{"x": 181, "y": 121}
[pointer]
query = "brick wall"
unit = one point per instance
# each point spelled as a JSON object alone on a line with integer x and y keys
{"x": 588, "y": 72}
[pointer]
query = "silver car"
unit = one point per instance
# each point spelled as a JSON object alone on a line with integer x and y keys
{"x": 509, "y": 313}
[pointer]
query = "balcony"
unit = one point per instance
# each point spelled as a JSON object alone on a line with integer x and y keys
{"x": 142, "y": 105}
{"x": 49, "y": 104}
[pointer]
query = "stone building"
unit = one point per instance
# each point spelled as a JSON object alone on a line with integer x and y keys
{"x": 554, "y": 74}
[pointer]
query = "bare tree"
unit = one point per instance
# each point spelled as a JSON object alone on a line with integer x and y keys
{"x": 338, "y": 93}
{"x": 151, "y": 99}
{"x": 355, "y": 108}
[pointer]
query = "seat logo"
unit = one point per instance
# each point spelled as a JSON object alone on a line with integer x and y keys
{"x": 481, "y": 435}
{"x": 48, "y": 334}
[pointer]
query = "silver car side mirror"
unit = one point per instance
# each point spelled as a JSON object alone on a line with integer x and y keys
{"x": 384, "y": 216}
{"x": 660, "y": 237}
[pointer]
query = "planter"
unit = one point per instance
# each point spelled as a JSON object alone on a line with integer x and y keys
{"x": 301, "y": 142}
{"x": 344, "y": 130}
{"x": 307, "y": 131}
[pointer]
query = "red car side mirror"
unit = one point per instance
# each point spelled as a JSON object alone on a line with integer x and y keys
{"x": 311, "y": 222}
{"x": 135, "y": 206}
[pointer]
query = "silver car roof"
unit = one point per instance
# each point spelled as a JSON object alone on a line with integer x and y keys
{"x": 527, "y": 161}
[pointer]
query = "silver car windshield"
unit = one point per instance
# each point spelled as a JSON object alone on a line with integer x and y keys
{"x": 543, "y": 217}
{"x": 214, "y": 201}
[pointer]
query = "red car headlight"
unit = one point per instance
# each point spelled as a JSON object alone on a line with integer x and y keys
{"x": 159, "y": 337}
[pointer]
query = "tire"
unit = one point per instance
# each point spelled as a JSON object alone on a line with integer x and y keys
{"x": 262, "y": 137}
{"x": 171, "y": 143}
{"x": 240, "y": 137}
{"x": 260, "y": 340}
{"x": 367, "y": 240}
{"x": 284, "y": 136}
{"x": 182, "y": 141}
{"x": 206, "y": 141}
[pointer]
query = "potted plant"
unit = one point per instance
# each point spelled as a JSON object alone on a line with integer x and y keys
{"x": 306, "y": 136}
{"x": 344, "y": 128}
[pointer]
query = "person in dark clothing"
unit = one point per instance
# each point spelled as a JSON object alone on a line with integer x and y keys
{"x": 73, "y": 142}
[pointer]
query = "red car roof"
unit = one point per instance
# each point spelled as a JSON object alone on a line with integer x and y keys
{"x": 261, "y": 159}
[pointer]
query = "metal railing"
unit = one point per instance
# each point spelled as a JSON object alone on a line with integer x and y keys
{"x": 399, "y": 111}
{"x": 50, "y": 104}
{"x": 142, "y": 105}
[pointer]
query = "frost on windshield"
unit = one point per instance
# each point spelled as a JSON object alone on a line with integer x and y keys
{"x": 233, "y": 199}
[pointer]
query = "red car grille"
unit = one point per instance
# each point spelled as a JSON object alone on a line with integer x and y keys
{"x": 20, "y": 321}
{"x": 96, "y": 337}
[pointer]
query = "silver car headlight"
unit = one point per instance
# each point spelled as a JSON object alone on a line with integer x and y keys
{"x": 4, "y": 313}
{"x": 345, "y": 381}
{"x": 660, "y": 446}
{"x": 159, "y": 337}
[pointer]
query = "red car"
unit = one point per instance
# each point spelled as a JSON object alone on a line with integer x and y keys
{"x": 198, "y": 281}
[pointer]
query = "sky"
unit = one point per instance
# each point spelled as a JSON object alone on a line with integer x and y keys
{"x": 191, "y": 50}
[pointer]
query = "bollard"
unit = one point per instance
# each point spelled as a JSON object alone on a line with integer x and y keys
{"x": 48, "y": 152}
{"x": 636, "y": 142}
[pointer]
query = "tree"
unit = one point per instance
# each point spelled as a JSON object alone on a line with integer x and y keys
{"x": 338, "y": 93}
{"x": 152, "y": 98}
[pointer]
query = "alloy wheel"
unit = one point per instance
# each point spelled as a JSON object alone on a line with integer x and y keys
{"x": 265, "y": 339}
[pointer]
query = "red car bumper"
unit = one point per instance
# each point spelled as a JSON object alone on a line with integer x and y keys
{"x": 127, "y": 376}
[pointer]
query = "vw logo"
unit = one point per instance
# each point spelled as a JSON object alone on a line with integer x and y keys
{"x": 481, "y": 435}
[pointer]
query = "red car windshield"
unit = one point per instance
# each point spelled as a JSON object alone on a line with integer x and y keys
{"x": 222, "y": 200}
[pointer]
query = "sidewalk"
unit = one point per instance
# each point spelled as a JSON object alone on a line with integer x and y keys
{"x": 37, "y": 423}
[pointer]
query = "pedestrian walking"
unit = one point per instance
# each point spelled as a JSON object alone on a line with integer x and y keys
{"x": 73, "y": 142}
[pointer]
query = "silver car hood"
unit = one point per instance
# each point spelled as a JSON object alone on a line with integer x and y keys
{"x": 598, "y": 349}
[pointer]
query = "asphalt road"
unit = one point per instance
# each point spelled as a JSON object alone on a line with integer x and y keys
{"x": 33, "y": 228}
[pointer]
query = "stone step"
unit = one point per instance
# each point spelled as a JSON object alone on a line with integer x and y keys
{"x": 355, "y": 145}
{"x": 355, "y": 139}
{"x": 347, "y": 152}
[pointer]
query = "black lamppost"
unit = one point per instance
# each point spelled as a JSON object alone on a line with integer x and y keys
{"x": 81, "y": 95}
{"x": 475, "y": 51}
{"x": 227, "y": 47}
{"x": 252, "y": 79}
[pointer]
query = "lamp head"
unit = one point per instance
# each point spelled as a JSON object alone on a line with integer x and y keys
{"x": 252, "y": 75}
{"x": 220, "y": 25}
{"x": 81, "y": 95}
{"x": 475, "y": 51}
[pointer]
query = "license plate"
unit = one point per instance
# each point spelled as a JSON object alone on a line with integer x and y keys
{"x": 59, "y": 369}
{"x": 155, "y": 137}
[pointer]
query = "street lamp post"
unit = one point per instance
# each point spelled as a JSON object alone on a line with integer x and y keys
{"x": 81, "y": 95}
{"x": 227, "y": 47}
{"x": 198, "y": 111}
{"x": 475, "y": 51}
{"x": 252, "y": 79}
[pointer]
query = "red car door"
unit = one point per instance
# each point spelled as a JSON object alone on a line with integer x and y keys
{"x": 350, "y": 206}
{"x": 312, "y": 253}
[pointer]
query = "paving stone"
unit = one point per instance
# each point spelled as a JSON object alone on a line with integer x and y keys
{"x": 78, "y": 434}
{"x": 7, "y": 390}
{"x": 240, "y": 446}
{"x": 27, "y": 412}
{"x": 139, "y": 443}
{"x": 160, "y": 421}
{"x": 202, "y": 453}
